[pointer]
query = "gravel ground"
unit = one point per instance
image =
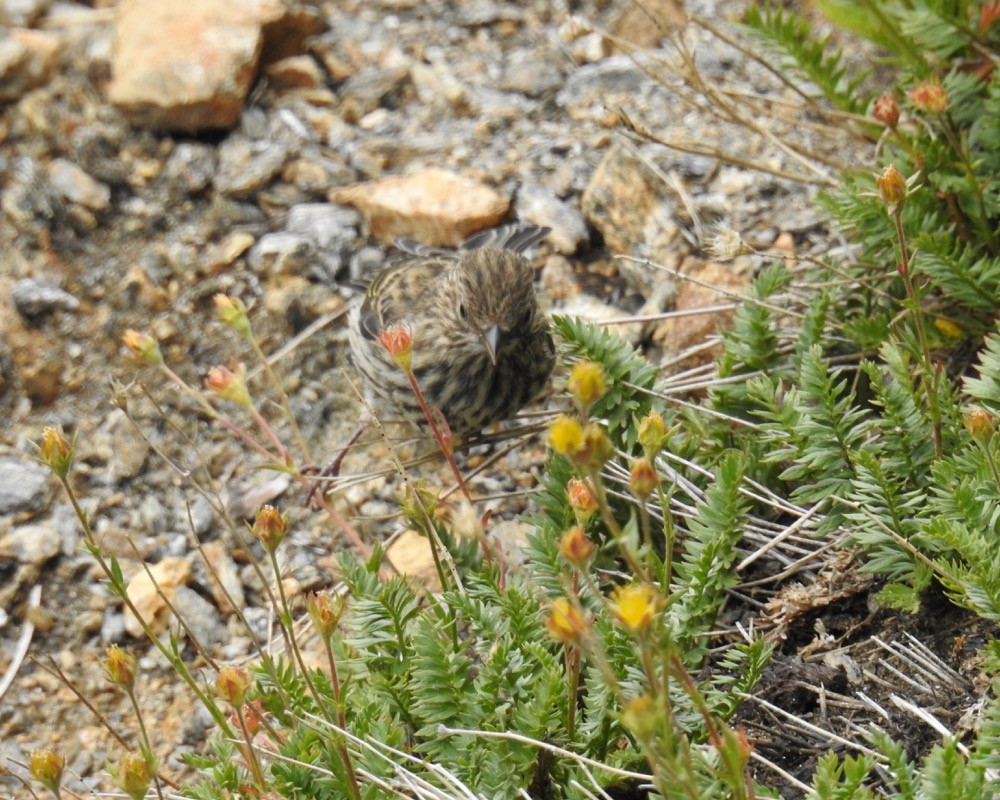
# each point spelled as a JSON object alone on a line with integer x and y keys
{"x": 109, "y": 223}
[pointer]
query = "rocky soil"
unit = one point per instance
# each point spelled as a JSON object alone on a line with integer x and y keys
{"x": 151, "y": 158}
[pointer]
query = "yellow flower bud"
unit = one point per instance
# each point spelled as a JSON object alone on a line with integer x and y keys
{"x": 652, "y": 435}
{"x": 232, "y": 311}
{"x": 595, "y": 449}
{"x": 980, "y": 424}
{"x": 133, "y": 775}
{"x": 325, "y": 610}
{"x": 892, "y": 190}
{"x": 269, "y": 527}
{"x": 56, "y": 452}
{"x": 232, "y": 685}
{"x": 641, "y": 716}
{"x": 575, "y": 547}
{"x": 47, "y": 767}
{"x": 119, "y": 667}
{"x": 586, "y": 384}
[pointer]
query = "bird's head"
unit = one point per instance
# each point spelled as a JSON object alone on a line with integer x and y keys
{"x": 494, "y": 298}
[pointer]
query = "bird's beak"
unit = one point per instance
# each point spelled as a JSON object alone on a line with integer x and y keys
{"x": 491, "y": 341}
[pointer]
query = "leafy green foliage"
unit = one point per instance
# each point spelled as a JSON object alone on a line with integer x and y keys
{"x": 791, "y": 35}
{"x": 631, "y": 377}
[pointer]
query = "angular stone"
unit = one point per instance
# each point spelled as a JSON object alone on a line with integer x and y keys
{"x": 186, "y": 64}
{"x": 75, "y": 185}
{"x": 436, "y": 207}
{"x": 620, "y": 197}
{"x": 26, "y": 61}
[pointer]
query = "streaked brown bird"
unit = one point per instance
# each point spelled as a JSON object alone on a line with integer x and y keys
{"x": 481, "y": 345}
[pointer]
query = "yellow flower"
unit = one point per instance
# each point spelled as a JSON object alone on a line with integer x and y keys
{"x": 586, "y": 384}
{"x": 566, "y": 621}
{"x": 566, "y": 436}
{"x": 947, "y": 328}
{"x": 635, "y": 606}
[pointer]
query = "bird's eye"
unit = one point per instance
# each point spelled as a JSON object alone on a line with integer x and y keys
{"x": 461, "y": 311}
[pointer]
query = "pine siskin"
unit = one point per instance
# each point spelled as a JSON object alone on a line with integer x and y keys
{"x": 481, "y": 347}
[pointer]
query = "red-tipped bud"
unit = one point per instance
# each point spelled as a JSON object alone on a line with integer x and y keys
{"x": 269, "y": 527}
{"x": 229, "y": 385}
{"x": 642, "y": 478}
{"x": 575, "y": 547}
{"x": 143, "y": 347}
{"x": 398, "y": 342}
{"x": 929, "y": 97}
{"x": 886, "y": 110}
{"x": 581, "y": 500}
{"x": 232, "y": 312}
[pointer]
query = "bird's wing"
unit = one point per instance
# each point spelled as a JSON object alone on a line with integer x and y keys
{"x": 386, "y": 303}
{"x": 516, "y": 236}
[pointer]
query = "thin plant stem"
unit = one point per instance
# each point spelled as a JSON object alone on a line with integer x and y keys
{"x": 251, "y": 752}
{"x": 144, "y": 744}
{"x": 342, "y": 750}
{"x": 930, "y": 381}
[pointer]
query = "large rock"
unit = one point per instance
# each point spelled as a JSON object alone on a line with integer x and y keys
{"x": 435, "y": 207}
{"x": 188, "y": 64}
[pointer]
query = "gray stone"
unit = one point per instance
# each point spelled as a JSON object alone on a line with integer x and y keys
{"x": 33, "y": 297}
{"x": 246, "y": 166}
{"x": 282, "y": 252}
{"x": 23, "y": 485}
{"x": 32, "y": 544}
{"x": 541, "y": 206}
